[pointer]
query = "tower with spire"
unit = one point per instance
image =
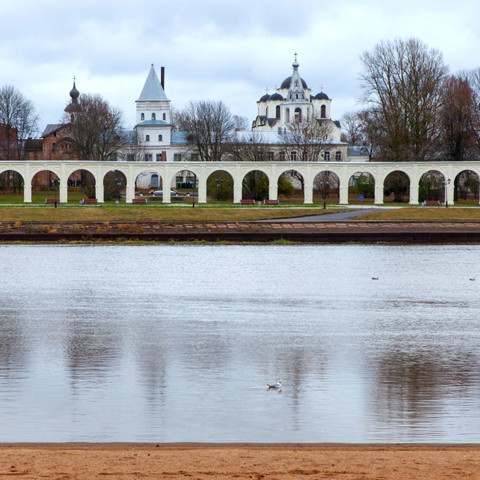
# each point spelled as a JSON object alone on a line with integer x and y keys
{"x": 153, "y": 118}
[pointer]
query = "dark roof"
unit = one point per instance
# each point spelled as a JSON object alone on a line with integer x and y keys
{"x": 276, "y": 96}
{"x": 321, "y": 96}
{"x": 286, "y": 82}
{"x": 53, "y": 127}
{"x": 153, "y": 123}
{"x": 179, "y": 138}
{"x": 265, "y": 98}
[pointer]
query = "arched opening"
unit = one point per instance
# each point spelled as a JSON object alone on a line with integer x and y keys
{"x": 291, "y": 187}
{"x": 184, "y": 187}
{"x": 220, "y": 187}
{"x": 361, "y": 188}
{"x": 147, "y": 182}
{"x": 298, "y": 115}
{"x": 114, "y": 186}
{"x": 323, "y": 111}
{"x": 45, "y": 186}
{"x": 396, "y": 188}
{"x": 325, "y": 188}
{"x": 431, "y": 187}
{"x": 466, "y": 187}
{"x": 255, "y": 186}
{"x": 277, "y": 111}
{"x": 81, "y": 185}
{"x": 11, "y": 187}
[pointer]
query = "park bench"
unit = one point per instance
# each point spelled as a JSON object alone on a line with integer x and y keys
{"x": 139, "y": 200}
{"x": 432, "y": 202}
{"x": 247, "y": 201}
{"x": 52, "y": 200}
{"x": 271, "y": 202}
{"x": 88, "y": 200}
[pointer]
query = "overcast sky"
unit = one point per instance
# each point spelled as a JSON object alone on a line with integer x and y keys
{"x": 215, "y": 49}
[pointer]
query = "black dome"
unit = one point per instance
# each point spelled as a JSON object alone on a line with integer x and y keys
{"x": 321, "y": 96}
{"x": 265, "y": 98}
{"x": 276, "y": 96}
{"x": 286, "y": 83}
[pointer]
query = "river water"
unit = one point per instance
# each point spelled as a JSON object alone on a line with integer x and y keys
{"x": 177, "y": 343}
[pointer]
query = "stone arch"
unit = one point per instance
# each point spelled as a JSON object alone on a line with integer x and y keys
{"x": 220, "y": 185}
{"x": 12, "y": 185}
{"x": 298, "y": 115}
{"x": 45, "y": 185}
{"x": 81, "y": 184}
{"x": 361, "y": 183}
{"x": 466, "y": 186}
{"x": 146, "y": 180}
{"x": 114, "y": 186}
{"x": 255, "y": 185}
{"x": 326, "y": 187}
{"x": 291, "y": 186}
{"x": 396, "y": 187}
{"x": 431, "y": 186}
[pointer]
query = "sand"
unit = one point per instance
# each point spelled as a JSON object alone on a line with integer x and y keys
{"x": 238, "y": 461}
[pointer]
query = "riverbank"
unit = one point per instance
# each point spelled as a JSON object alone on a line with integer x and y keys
{"x": 239, "y": 461}
{"x": 360, "y": 231}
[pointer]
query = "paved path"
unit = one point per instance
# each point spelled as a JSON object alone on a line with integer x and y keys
{"x": 328, "y": 217}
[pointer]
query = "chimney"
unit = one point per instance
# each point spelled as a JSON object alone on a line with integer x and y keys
{"x": 162, "y": 77}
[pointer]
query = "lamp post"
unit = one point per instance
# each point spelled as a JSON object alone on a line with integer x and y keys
{"x": 446, "y": 192}
{"x": 325, "y": 188}
{"x": 55, "y": 185}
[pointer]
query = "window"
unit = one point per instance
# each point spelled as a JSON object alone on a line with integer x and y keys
{"x": 130, "y": 157}
{"x": 277, "y": 111}
{"x": 142, "y": 116}
{"x": 154, "y": 116}
{"x": 177, "y": 157}
{"x": 148, "y": 157}
{"x": 271, "y": 156}
{"x": 298, "y": 114}
{"x": 159, "y": 157}
{"x": 323, "y": 111}
{"x": 160, "y": 138}
{"x": 338, "y": 156}
{"x": 147, "y": 138}
{"x": 293, "y": 156}
{"x": 164, "y": 116}
{"x": 326, "y": 156}
{"x": 282, "y": 156}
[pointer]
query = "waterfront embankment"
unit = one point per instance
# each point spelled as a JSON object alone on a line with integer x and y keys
{"x": 361, "y": 231}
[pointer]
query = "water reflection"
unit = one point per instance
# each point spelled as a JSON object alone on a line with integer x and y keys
{"x": 178, "y": 344}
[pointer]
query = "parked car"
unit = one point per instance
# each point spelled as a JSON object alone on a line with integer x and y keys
{"x": 160, "y": 192}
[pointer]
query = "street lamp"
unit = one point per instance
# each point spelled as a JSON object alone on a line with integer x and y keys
{"x": 325, "y": 188}
{"x": 446, "y": 192}
{"x": 55, "y": 185}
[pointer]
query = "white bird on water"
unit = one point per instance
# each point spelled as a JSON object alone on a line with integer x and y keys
{"x": 275, "y": 385}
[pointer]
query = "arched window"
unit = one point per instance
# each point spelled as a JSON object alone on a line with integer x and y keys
{"x": 142, "y": 116}
{"x": 323, "y": 111}
{"x": 298, "y": 115}
{"x": 154, "y": 116}
{"x": 147, "y": 138}
{"x": 164, "y": 116}
{"x": 277, "y": 111}
{"x": 160, "y": 138}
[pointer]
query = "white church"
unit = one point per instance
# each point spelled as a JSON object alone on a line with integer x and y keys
{"x": 154, "y": 140}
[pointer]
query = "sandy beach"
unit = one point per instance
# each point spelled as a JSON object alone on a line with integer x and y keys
{"x": 238, "y": 461}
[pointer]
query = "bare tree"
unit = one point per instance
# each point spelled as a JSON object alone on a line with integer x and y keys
{"x": 402, "y": 80}
{"x": 474, "y": 82}
{"x": 352, "y": 125}
{"x": 210, "y": 127}
{"x": 457, "y": 119}
{"x": 19, "y": 121}
{"x": 248, "y": 147}
{"x": 95, "y": 129}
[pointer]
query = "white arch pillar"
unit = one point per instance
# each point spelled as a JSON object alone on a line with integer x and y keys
{"x": 63, "y": 190}
{"x": 99, "y": 191}
{"x": 343, "y": 192}
{"x": 414, "y": 192}
{"x": 451, "y": 192}
{"x": 237, "y": 188}
{"x": 272, "y": 189}
{"x": 27, "y": 192}
{"x": 202, "y": 188}
{"x": 130, "y": 190}
{"x": 378, "y": 193}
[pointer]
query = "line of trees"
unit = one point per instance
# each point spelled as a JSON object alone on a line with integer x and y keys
{"x": 414, "y": 110}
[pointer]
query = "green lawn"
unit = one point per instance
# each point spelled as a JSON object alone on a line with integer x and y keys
{"x": 425, "y": 213}
{"x": 150, "y": 213}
